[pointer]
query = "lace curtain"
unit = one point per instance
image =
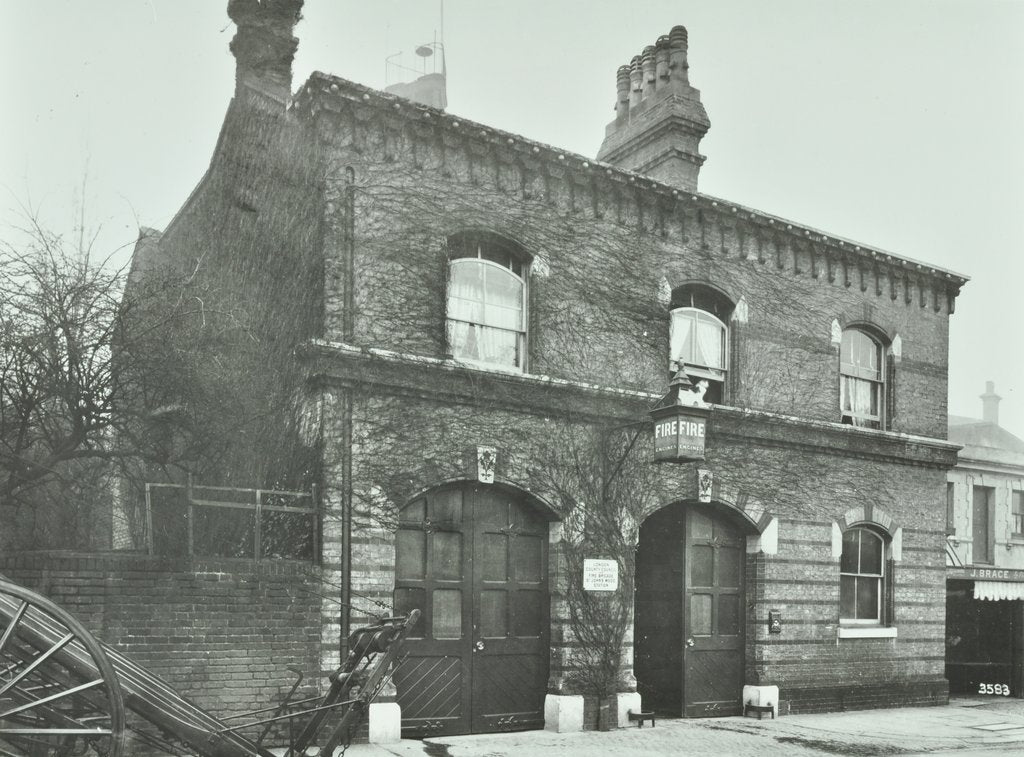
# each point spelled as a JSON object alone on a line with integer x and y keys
{"x": 485, "y": 312}
{"x": 861, "y": 379}
{"x": 859, "y": 400}
{"x": 697, "y": 339}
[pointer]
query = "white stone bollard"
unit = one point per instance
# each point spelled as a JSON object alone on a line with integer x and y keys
{"x": 563, "y": 714}
{"x": 762, "y": 696}
{"x": 629, "y": 700}
{"x": 385, "y": 723}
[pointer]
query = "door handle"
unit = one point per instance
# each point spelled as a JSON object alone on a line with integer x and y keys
{"x": 479, "y": 646}
{"x": 690, "y": 642}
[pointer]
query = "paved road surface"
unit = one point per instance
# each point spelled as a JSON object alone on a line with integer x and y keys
{"x": 967, "y": 728}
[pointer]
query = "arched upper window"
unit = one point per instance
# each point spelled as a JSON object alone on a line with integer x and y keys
{"x": 699, "y": 340}
{"x": 699, "y": 337}
{"x": 862, "y": 577}
{"x": 861, "y": 379}
{"x": 486, "y": 313}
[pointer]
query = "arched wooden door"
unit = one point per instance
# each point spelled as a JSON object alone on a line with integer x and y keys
{"x": 473, "y": 559}
{"x": 689, "y": 617}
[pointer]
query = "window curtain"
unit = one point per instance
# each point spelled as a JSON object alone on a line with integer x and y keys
{"x": 697, "y": 339}
{"x": 861, "y": 379}
{"x": 485, "y": 312}
{"x": 680, "y": 338}
{"x": 709, "y": 344}
{"x": 475, "y": 342}
{"x": 858, "y": 400}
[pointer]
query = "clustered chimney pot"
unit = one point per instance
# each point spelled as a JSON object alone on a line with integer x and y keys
{"x": 659, "y": 118}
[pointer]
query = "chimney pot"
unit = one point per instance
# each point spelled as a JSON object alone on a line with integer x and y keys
{"x": 678, "y": 46}
{"x": 622, "y": 92}
{"x": 661, "y": 58}
{"x": 263, "y": 45}
{"x": 990, "y": 404}
{"x": 634, "y": 81}
{"x": 648, "y": 82}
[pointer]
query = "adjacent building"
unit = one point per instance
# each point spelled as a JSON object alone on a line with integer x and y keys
{"x": 985, "y": 556}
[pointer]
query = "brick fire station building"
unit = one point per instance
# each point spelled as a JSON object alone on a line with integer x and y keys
{"x": 475, "y": 328}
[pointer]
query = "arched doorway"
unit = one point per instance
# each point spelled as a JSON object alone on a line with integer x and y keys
{"x": 690, "y": 612}
{"x": 474, "y": 559}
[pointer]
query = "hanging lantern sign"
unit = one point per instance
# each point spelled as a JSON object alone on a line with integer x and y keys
{"x": 679, "y": 433}
{"x": 680, "y": 422}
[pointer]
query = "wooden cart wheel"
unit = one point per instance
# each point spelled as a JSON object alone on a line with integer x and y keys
{"x": 59, "y": 695}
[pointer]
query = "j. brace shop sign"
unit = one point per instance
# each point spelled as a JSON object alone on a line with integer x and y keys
{"x": 679, "y": 433}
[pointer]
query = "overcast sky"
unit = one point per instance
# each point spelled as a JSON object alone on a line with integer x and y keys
{"x": 895, "y": 123}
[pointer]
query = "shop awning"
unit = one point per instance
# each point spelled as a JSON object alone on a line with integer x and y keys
{"x": 998, "y": 590}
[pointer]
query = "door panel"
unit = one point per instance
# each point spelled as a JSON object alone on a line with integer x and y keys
{"x": 690, "y": 613}
{"x": 474, "y": 560}
{"x": 431, "y": 561}
{"x": 510, "y": 652}
{"x": 508, "y": 692}
{"x": 432, "y": 693}
{"x": 713, "y": 601}
{"x": 658, "y": 618}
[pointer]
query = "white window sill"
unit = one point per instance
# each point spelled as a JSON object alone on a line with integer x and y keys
{"x": 867, "y": 632}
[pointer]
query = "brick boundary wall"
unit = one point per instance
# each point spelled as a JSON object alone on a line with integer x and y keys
{"x": 223, "y": 632}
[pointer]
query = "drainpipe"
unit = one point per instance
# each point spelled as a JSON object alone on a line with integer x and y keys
{"x": 346, "y": 522}
{"x": 349, "y": 262}
{"x": 348, "y": 334}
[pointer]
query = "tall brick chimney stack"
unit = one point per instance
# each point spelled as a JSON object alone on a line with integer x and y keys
{"x": 659, "y": 118}
{"x": 264, "y": 46}
{"x": 990, "y": 404}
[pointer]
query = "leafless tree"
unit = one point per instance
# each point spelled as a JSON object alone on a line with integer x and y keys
{"x": 604, "y": 483}
{"x": 91, "y": 382}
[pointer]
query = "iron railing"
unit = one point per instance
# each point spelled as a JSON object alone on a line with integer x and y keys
{"x": 227, "y": 521}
